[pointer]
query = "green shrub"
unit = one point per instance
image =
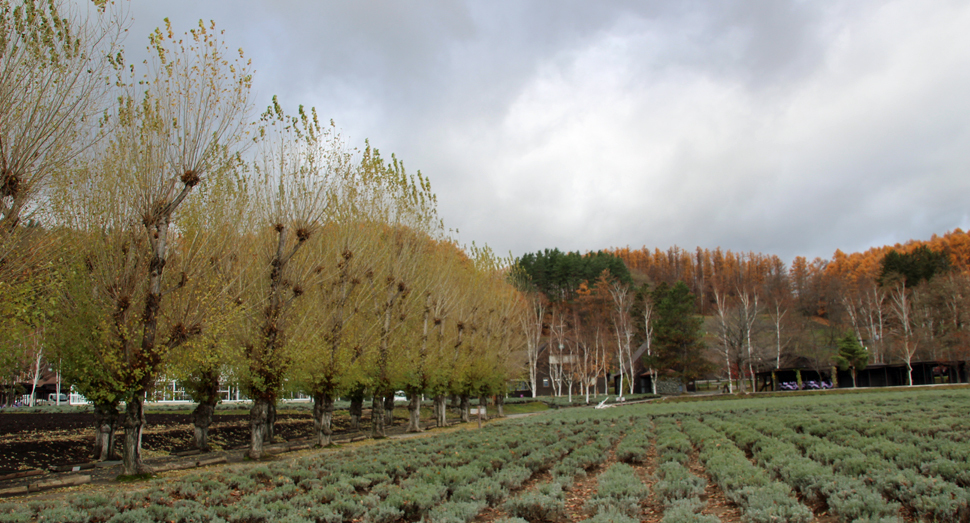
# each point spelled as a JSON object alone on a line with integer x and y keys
{"x": 415, "y": 498}
{"x": 243, "y": 513}
{"x": 455, "y": 512}
{"x": 619, "y": 490}
{"x": 295, "y": 518}
{"x": 852, "y": 500}
{"x": 773, "y": 504}
{"x": 186, "y": 511}
{"x": 15, "y": 513}
{"x": 611, "y": 515}
{"x": 631, "y": 454}
{"x": 677, "y": 483}
{"x": 513, "y": 476}
{"x": 687, "y": 511}
{"x": 347, "y": 507}
{"x": 383, "y": 514}
{"x": 140, "y": 515}
{"x": 537, "y": 506}
{"x": 621, "y": 481}
{"x": 488, "y": 490}
{"x": 62, "y": 515}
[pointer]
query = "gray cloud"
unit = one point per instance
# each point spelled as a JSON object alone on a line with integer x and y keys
{"x": 792, "y": 128}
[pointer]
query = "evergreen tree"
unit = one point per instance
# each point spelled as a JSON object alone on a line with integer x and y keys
{"x": 677, "y": 333}
{"x": 558, "y": 275}
{"x": 913, "y": 267}
{"x": 852, "y": 356}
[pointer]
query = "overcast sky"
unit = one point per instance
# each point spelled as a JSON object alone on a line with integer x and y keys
{"x": 789, "y": 128}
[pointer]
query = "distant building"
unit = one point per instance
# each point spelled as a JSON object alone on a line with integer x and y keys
{"x": 875, "y": 375}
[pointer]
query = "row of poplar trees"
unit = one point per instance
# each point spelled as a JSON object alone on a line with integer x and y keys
{"x": 150, "y": 226}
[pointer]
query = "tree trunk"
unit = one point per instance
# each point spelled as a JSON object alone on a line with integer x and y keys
{"x": 414, "y": 412}
{"x": 33, "y": 389}
{"x": 202, "y": 418}
{"x": 322, "y": 417}
{"x": 742, "y": 386}
{"x": 257, "y": 423}
{"x": 377, "y": 417}
{"x": 356, "y": 410}
{"x": 389, "y": 410}
{"x": 853, "y": 378}
{"x": 106, "y": 421}
{"x": 134, "y": 423}
{"x": 500, "y": 405}
{"x": 464, "y": 405}
{"x": 206, "y": 392}
{"x": 440, "y": 411}
{"x": 270, "y": 432}
{"x": 483, "y": 407}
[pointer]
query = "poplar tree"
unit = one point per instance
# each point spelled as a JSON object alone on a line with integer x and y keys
{"x": 293, "y": 189}
{"x": 53, "y": 86}
{"x": 173, "y": 127}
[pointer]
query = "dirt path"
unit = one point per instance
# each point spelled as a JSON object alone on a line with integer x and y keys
{"x": 717, "y": 503}
{"x": 653, "y": 509}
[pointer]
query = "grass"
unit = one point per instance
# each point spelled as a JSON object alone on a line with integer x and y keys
{"x": 525, "y": 408}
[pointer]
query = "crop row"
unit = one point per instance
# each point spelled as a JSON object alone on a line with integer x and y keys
{"x": 678, "y": 488}
{"x": 853, "y": 455}
{"x": 847, "y": 497}
{"x": 546, "y": 503}
{"x": 447, "y": 478}
{"x": 864, "y": 456}
{"x": 762, "y": 499}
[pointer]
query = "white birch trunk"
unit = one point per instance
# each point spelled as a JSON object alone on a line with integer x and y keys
{"x": 33, "y": 390}
{"x": 902, "y": 307}
{"x": 721, "y": 301}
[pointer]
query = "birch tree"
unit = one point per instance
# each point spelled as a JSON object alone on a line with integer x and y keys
{"x": 646, "y": 310}
{"x": 730, "y": 343}
{"x": 623, "y": 329}
{"x": 750, "y": 308}
{"x": 902, "y": 308}
{"x": 531, "y": 322}
{"x": 557, "y": 347}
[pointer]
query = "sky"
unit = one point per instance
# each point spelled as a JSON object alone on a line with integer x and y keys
{"x": 792, "y": 128}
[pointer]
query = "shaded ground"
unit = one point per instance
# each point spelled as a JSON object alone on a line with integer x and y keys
{"x": 40, "y": 440}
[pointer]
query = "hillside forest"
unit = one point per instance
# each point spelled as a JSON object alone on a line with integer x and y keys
{"x": 901, "y": 304}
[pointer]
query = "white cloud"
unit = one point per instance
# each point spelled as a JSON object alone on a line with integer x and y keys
{"x": 791, "y": 128}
